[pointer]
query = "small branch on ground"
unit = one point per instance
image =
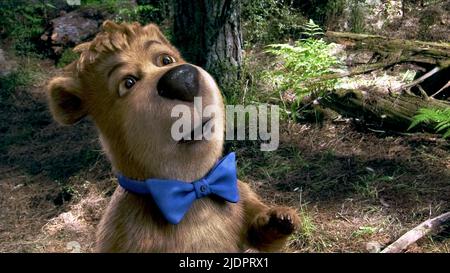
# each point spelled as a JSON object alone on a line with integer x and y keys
{"x": 440, "y": 90}
{"x": 423, "y": 93}
{"x": 420, "y": 79}
{"x": 434, "y": 225}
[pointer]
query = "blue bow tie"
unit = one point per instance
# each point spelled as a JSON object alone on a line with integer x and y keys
{"x": 174, "y": 197}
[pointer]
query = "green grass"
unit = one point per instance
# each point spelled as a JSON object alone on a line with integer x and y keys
{"x": 307, "y": 226}
{"x": 309, "y": 236}
{"x": 27, "y": 73}
{"x": 357, "y": 14}
{"x": 67, "y": 57}
{"x": 364, "y": 231}
{"x": 367, "y": 185}
{"x": 10, "y": 82}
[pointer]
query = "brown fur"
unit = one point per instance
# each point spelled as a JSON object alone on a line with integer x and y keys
{"x": 135, "y": 132}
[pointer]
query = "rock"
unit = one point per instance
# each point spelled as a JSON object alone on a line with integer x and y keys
{"x": 72, "y": 28}
{"x": 6, "y": 66}
{"x": 338, "y": 51}
{"x": 373, "y": 247}
{"x": 359, "y": 57}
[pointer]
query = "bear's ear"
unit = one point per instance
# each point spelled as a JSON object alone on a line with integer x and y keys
{"x": 66, "y": 103}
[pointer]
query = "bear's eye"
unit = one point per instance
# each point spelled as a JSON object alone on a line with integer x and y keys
{"x": 129, "y": 82}
{"x": 126, "y": 84}
{"x": 165, "y": 60}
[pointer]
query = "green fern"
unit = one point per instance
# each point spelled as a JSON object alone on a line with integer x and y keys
{"x": 307, "y": 59}
{"x": 440, "y": 117}
{"x": 311, "y": 29}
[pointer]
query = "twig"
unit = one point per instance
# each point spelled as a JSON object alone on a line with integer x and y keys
{"x": 442, "y": 89}
{"x": 344, "y": 218}
{"x": 422, "y": 92}
{"x": 410, "y": 237}
{"x": 377, "y": 131}
{"x": 421, "y": 79}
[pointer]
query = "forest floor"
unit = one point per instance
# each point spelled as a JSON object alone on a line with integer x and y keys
{"x": 351, "y": 186}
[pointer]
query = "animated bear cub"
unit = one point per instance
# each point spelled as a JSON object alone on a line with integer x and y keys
{"x": 174, "y": 196}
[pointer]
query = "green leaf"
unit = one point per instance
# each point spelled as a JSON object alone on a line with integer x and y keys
{"x": 440, "y": 117}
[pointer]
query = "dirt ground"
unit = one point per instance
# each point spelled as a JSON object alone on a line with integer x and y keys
{"x": 354, "y": 189}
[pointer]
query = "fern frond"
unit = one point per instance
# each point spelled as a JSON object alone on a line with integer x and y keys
{"x": 311, "y": 29}
{"x": 440, "y": 117}
{"x": 442, "y": 125}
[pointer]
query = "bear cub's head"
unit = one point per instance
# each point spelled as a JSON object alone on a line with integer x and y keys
{"x": 135, "y": 86}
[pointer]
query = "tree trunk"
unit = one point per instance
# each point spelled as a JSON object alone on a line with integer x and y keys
{"x": 208, "y": 34}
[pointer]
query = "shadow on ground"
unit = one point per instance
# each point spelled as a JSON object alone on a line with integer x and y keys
{"x": 34, "y": 143}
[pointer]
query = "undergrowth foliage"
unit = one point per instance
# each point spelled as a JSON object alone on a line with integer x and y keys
{"x": 132, "y": 11}
{"x": 311, "y": 29}
{"x": 8, "y": 84}
{"x": 67, "y": 57}
{"x": 302, "y": 62}
{"x": 142, "y": 11}
{"x": 440, "y": 117}
{"x": 267, "y": 21}
{"x": 24, "y": 22}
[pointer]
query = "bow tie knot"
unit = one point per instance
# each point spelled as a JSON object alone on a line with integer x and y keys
{"x": 201, "y": 188}
{"x": 174, "y": 197}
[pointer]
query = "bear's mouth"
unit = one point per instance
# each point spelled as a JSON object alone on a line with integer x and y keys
{"x": 197, "y": 134}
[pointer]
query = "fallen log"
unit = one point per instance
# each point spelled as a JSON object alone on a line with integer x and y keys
{"x": 392, "y": 109}
{"x": 382, "y": 109}
{"x": 430, "y": 226}
{"x": 395, "y": 49}
{"x": 388, "y": 52}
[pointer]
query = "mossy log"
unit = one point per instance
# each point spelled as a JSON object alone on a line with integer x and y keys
{"x": 395, "y": 50}
{"x": 384, "y": 110}
{"x": 392, "y": 109}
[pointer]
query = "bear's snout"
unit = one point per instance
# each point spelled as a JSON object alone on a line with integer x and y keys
{"x": 180, "y": 83}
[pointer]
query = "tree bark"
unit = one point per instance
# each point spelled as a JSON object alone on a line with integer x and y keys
{"x": 208, "y": 34}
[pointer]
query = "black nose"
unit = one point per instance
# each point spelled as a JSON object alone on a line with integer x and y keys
{"x": 180, "y": 83}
